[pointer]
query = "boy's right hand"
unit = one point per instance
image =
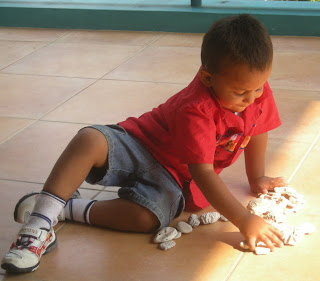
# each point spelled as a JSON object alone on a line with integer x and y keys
{"x": 256, "y": 229}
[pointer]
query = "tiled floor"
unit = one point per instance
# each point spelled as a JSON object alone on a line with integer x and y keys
{"x": 53, "y": 82}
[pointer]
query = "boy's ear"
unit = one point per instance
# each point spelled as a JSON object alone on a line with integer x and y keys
{"x": 206, "y": 78}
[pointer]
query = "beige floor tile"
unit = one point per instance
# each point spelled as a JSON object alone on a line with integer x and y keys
{"x": 180, "y": 40}
{"x": 31, "y": 34}
{"x": 282, "y": 157}
{"x": 31, "y": 154}
{"x": 11, "y": 192}
{"x": 296, "y": 70}
{"x": 160, "y": 64}
{"x": 33, "y": 96}
{"x": 12, "y": 51}
{"x": 10, "y": 126}
{"x": 20, "y": 277}
{"x": 283, "y": 43}
{"x": 300, "y": 115}
{"x": 110, "y": 37}
{"x": 106, "y": 195}
{"x": 308, "y": 180}
{"x": 88, "y": 193}
{"x": 109, "y": 102}
{"x": 300, "y": 262}
{"x": 74, "y": 60}
{"x": 112, "y": 188}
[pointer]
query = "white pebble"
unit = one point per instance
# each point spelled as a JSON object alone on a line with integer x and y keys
{"x": 223, "y": 218}
{"x": 244, "y": 244}
{"x": 165, "y": 234}
{"x": 210, "y": 217}
{"x": 193, "y": 220}
{"x": 178, "y": 235}
{"x": 167, "y": 245}
{"x": 184, "y": 227}
{"x": 262, "y": 251}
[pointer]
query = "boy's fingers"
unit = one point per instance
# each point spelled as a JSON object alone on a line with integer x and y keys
{"x": 279, "y": 181}
{"x": 252, "y": 244}
{"x": 264, "y": 191}
{"x": 275, "y": 239}
{"x": 266, "y": 240}
{"x": 277, "y": 232}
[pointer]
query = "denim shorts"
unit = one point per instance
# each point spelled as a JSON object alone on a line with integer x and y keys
{"x": 141, "y": 178}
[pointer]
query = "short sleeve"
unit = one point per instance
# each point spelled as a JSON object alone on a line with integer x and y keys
{"x": 193, "y": 134}
{"x": 269, "y": 118}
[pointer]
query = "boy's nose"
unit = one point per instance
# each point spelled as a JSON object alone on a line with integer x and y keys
{"x": 249, "y": 99}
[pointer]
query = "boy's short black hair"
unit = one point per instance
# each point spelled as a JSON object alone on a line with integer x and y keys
{"x": 235, "y": 40}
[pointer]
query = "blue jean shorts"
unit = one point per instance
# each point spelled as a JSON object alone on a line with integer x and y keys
{"x": 142, "y": 179}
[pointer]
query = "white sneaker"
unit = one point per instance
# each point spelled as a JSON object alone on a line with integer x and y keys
{"x": 25, "y": 206}
{"x": 24, "y": 255}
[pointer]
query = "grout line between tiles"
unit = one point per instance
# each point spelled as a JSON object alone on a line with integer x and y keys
{"x": 103, "y": 189}
{"x": 293, "y": 90}
{"x": 46, "y": 44}
{"x": 17, "y": 132}
{"x": 293, "y": 174}
{"x": 236, "y": 263}
{"x": 145, "y": 81}
{"x": 304, "y": 158}
{"x": 137, "y": 52}
{"x": 43, "y": 117}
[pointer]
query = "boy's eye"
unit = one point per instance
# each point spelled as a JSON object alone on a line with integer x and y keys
{"x": 239, "y": 94}
{"x": 258, "y": 90}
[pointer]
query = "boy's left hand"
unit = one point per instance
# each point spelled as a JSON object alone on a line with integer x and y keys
{"x": 263, "y": 184}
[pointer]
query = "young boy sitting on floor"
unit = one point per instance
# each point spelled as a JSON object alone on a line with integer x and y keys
{"x": 169, "y": 159}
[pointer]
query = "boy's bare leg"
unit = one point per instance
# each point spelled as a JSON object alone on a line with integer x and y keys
{"x": 124, "y": 215}
{"x": 87, "y": 149}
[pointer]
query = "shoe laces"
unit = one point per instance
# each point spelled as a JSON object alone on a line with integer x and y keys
{"x": 24, "y": 242}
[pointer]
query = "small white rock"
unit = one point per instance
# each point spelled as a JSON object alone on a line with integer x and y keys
{"x": 167, "y": 245}
{"x": 258, "y": 206}
{"x": 165, "y": 234}
{"x": 178, "y": 235}
{"x": 223, "y": 218}
{"x": 210, "y": 217}
{"x": 244, "y": 244}
{"x": 184, "y": 227}
{"x": 262, "y": 251}
{"x": 193, "y": 220}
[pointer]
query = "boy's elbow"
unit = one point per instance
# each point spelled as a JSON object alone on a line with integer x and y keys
{"x": 198, "y": 170}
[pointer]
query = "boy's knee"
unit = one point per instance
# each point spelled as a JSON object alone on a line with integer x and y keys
{"x": 147, "y": 221}
{"x": 94, "y": 141}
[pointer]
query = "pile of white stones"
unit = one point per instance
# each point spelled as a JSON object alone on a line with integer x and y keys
{"x": 274, "y": 207}
{"x": 166, "y": 235}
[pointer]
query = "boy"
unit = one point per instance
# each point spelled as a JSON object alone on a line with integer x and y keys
{"x": 168, "y": 160}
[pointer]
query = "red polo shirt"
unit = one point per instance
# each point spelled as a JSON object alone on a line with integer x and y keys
{"x": 191, "y": 127}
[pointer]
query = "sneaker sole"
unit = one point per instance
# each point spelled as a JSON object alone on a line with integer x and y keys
{"x": 9, "y": 267}
{"x": 15, "y": 214}
{"x": 14, "y": 269}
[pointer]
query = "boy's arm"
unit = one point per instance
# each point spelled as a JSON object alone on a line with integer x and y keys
{"x": 218, "y": 195}
{"x": 255, "y": 165}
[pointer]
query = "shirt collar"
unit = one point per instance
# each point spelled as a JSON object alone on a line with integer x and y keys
{"x": 249, "y": 116}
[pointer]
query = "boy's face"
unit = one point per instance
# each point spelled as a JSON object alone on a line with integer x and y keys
{"x": 238, "y": 87}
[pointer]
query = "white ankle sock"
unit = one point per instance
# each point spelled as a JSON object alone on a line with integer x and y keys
{"x": 78, "y": 210}
{"x": 46, "y": 210}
